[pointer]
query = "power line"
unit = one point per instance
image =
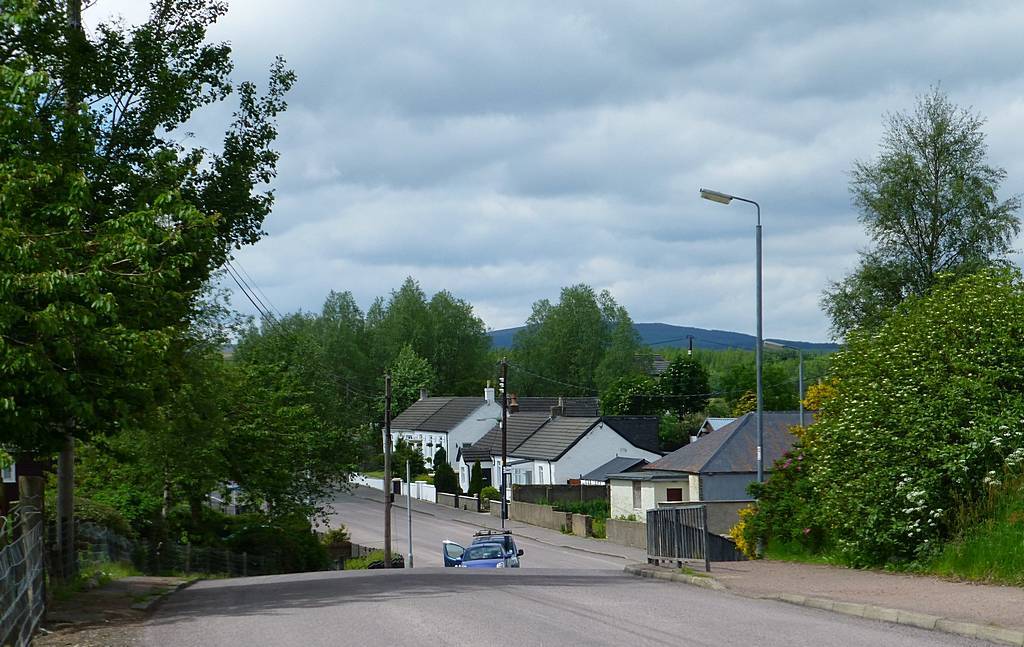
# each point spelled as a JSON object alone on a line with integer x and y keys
{"x": 239, "y": 266}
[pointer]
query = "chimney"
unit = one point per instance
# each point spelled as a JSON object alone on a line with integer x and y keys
{"x": 559, "y": 409}
{"x": 489, "y": 393}
{"x": 424, "y": 394}
{"x": 513, "y": 403}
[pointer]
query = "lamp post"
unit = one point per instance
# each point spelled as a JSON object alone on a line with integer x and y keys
{"x": 800, "y": 386}
{"x": 725, "y": 198}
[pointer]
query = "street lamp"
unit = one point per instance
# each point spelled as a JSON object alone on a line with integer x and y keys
{"x": 725, "y": 198}
{"x": 800, "y": 387}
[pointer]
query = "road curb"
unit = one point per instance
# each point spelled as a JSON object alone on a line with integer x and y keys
{"x": 707, "y": 582}
{"x": 991, "y": 633}
{"x": 154, "y": 599}
{"x": 910, "y": 618}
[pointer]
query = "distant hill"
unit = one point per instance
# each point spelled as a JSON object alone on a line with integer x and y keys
{"x": 662, "y": 335}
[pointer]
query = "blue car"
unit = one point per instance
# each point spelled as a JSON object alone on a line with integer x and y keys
{"x": 481, "y": 555}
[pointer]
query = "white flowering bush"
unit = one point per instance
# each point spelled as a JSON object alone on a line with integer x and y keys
{"x": 928, "y": 414}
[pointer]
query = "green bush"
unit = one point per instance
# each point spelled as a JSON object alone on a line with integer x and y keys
{"x": 336, "y": 543}
{"x": 89, "y": 511}
{"x": 927, "y": 411}
{"x": 490, "y": 493}
{"x": 289, "y": 542}
{"x": 786, "y": 506}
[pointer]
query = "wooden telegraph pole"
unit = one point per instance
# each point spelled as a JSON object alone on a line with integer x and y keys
{"x": 504, "y": 438}
{"x": 387, "y": 469}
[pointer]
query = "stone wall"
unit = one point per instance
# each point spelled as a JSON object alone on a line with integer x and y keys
{"x": 582, "y": 525}
{"x": 559, "y": 493}
{"x": 540, "y": 515}
{"x": 627, "y": 533}
{"x": 464, "y": 502}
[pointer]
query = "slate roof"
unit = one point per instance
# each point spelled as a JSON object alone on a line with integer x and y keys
{"x": 573, "y": 406}
{"x": 640, "y": 431}
{"x": 555, "y": 438}
{"x": 645, "y": 474}
{"x": 614, "y": 466}
{"x": 520, "y": 427}
{"x": 733, "y": 448}
{"x": 437, "y": 414}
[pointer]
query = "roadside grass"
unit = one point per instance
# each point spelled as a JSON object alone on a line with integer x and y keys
{"x": 686, "y": 570}
{"x": 794, "y": 552}
{"x": 599, "y": 511}
{"x": 92, "y": 576}
{"x": 990, "y": 546}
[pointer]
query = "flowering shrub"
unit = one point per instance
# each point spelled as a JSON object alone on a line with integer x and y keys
{"x": 786, "y": 506}
{"x": 928, "y": 410}
{"x": 742, "y": 533}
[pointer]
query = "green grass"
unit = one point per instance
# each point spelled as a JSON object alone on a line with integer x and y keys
{"x": 101, "y": 573}
{"x": 990, "y": 546}
{"x": 361, "y": 563}
{"x": 686, "y": 570}
{"x": 794, "y": 552}
{"x": 379, "y": 474}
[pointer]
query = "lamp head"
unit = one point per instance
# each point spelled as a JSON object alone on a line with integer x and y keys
{"x": 715, "y": 196}
{"x": 774, "y": 344}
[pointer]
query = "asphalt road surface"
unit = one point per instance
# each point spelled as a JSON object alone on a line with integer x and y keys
{"x": 447, "y": 606}
{"x": 362, "y": 513}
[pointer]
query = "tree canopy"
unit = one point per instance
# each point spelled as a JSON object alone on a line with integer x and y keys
{"x": 581, "y": 344}
{"x": 930, "y": 208}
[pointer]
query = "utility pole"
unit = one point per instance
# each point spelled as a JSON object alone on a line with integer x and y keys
{"x": 408, "y": 506}
{"x": 504, "y": 438}
{"x": 66, "y": 460}
{"x": 690, "y": 339}
{"x": 387, "y": 469}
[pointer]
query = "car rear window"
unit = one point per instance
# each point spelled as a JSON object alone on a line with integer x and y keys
{"x": 482, "y": 551}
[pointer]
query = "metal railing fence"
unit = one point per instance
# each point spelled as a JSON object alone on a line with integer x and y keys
{"x": 679, "y": 533}
{"x": 22, "y": 577}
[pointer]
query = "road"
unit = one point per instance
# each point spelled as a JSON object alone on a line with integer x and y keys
{"x": 526, "y": 607}
{"x": 362, "y": 513}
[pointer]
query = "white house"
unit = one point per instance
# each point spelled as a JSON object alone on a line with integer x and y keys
{"x": 451, "y": 423}
{"x": 556, "y": 448}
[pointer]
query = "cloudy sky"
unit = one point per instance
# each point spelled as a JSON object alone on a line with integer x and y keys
{"x": 504, "y": 150}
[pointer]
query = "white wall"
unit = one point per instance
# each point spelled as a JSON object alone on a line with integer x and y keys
{"x": 420, "y": 489}
{"x": 472, "y": 429}
{"x": 468, "y": 431}
{"x": 651, "y": 494}
{"x": 597, "y": 447}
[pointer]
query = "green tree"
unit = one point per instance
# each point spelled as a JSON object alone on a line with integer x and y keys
{"x": 569, "y": 342}
{"x": 942, "y": 378}
{"x": 110, "y": 227}
{"x": 929, "y": 205}
{"x": 445, "y": 479}
{"x": 409, "y": 374}
{"x": 684, "y": 386}
{"x": 476, "y": 479}
{"x": 631, "y": 395}
{"x": 404, "y": 451}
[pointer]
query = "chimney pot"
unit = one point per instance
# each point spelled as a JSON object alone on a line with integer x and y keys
{"x": 424, "y": 394}
{"x": 513, "y": 403}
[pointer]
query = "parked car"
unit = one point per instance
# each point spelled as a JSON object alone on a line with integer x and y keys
{"x": 483, "y": 555}
{"x": 489, "y": 549}
{"x": 503, "y": 537}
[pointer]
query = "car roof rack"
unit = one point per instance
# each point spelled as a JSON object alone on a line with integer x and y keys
{"x": 487, "y": 533}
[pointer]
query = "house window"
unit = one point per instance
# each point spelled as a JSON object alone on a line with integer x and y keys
{"x": 637, "y": 495}
{"x": 540, "y": 474}
{"x": 674, "y": 494}
{"x": 8, "y": 474}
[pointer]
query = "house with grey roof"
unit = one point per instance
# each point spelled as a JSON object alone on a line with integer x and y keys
{"x": 432, "y": 423}
{"x": 617, "y": 465}
{"x": 715, "y": 467}
{"x": 550, "y": 449}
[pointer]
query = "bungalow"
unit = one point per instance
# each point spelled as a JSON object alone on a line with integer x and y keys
{"x": 617, "y": 465}
{"x": 715, "y": 467}
{"x": 432, "y": 423}
{"x": 555, "y": 448}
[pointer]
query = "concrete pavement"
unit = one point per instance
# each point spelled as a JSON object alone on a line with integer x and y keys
{"x": 362, "y": 512}
{"x": 525, "y": 607}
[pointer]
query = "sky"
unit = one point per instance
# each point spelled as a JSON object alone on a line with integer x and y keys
{"x": 501, "y": 151}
